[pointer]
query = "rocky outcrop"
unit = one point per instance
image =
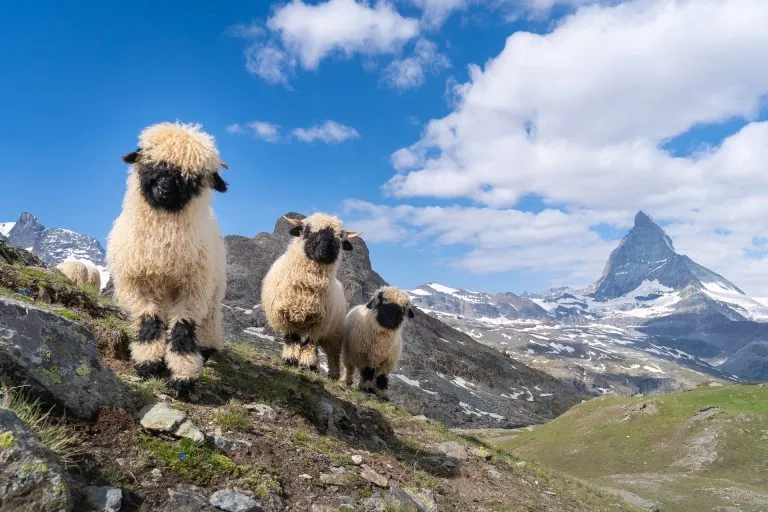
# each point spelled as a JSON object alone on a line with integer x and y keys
{"x": 30, "y": 477}
{"x": 13, "y": 255}
{"x": 56, "y": 358}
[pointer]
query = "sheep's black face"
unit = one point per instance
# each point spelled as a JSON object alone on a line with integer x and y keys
{"x": 322, "y": 246}
{"x": 388, "y": 314}
{"x": 165, "y": 187}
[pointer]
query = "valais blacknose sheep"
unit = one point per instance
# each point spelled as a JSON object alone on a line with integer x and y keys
{"x": 372, "y": 341}
{"x": 166, "y": 253}
{"x": 75, "y": 271}
{"x": 94, "y": 278}
{"x": 301, "y": 296}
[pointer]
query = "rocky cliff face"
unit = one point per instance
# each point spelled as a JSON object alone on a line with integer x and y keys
{"x": 444, "y": 374}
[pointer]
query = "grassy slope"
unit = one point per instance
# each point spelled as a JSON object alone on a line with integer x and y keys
{"x": 300, "y": 441}
{"x": 688, "y": 451}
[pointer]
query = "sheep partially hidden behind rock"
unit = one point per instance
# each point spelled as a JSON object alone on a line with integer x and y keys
{"x": 372, "y": 341}
{"x": 94, "y": 278}
{"x": 302, "y": 298}
{"x": 166, "y": 253}
{"x": 75, "y": 271}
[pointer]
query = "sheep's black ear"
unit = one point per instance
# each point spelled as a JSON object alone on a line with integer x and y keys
{"x": 131, "y": 158}
{"x": 346, "y": 245}
{"x": 219, "y": 184}
{"x": 296, "y": 231}
{"x": 410, "y": 313}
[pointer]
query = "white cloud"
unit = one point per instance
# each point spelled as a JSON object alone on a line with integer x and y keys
{"x": 577, "y": 117}
{"x": 435, "y": 12}
{"x": 257, "y": 129}
{"x": 329, "y": 132}
{"x": 303, "y": 34}
{"x": 411, "y": 72}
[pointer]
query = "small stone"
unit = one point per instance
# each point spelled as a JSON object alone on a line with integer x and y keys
{"x": 327, "y": 407}
{"x": 161, "y": 417}
{"x": 337, "y": 479}
{"x": 372, "y": 476}
{"x": 104, "y": 499}
{"x": 422, "y": 498}
{"x": 233, "y": 501}
{"x": 337, "y": 470}
{"x": 185, "y": 497}
{"x": 156, "y": 474}
{"x": 420, "y": 417}
{"x": 262, "y": 410}
{"x": 305, "y": 476}
{"x": 480, "y": 453}
{"x": 190, "y": 431}
{"x": 493, "y": 473}
{"x": 453, "y": 450}
{"x": 374, "y": 505}
{"x": 520, "y": 464}
{"x": 357, "y": 460}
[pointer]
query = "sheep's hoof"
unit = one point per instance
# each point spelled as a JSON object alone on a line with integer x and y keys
{"x": 149, "y": 369}
{"x": 291, "y": 361}
{"x": 312, "y": 368}
{"x": 207, "y": 353}
{"x": 184, "y": 388}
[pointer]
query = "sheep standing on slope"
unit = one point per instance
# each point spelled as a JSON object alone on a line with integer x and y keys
{"x": 75, "y": 271}
{"x": 94, "y": 278}
{"x": 166, "y": 253}
{"x": 372, "y": 341}
{"x": 301, "y": 296}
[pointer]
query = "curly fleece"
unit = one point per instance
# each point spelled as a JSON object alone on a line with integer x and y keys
{"x": 304, "y": 297}
{"x": 75, "y": 271}
{"x": 369, "y": 345}
{"x": 171, "y": 264}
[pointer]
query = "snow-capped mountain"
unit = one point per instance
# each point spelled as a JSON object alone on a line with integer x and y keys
{"x": 654, "y": 319}
{"x": 55, "y": 245}
{"x": 498, "y": 308}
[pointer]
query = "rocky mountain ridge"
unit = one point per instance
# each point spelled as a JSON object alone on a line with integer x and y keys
{"x": 55, "y": 245}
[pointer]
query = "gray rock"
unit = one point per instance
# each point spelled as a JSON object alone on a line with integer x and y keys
{"x": 190, "y": 431}
{"x": 233, "y": 501}
{"x": 106, "y": 499}
{"x": 374, "y": 504}
{"x": 29, "y": 472}
{"x": 454, "y": 450}
{"x": 357, "y": 459}
{"x": 638, "y": 501}
{"x": 156, "y": 474}
{"x": 232, "y": 446}
{"x": 57, "y": 359}
{"x": 372, "y": 476}
{"x": 161, "y": 417}
{"x": 187, "y": 498}
{"x": 339, "y": 479}
{"x": 421, "y": 499}
{"x": 263, "y": 411}
{"x": 493, "y": 473}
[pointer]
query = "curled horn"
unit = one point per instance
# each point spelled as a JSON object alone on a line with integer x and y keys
{"x": 296, "y": 222}
{"x": 353, "y": 234}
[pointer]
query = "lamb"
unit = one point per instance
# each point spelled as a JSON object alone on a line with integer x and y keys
{"x": 301, "y": 296}
{"x": 75, "y": 271}
{"x": 372, "y": 341}
{"x": 167, "y": 255}
{"x": 94, "y": 278}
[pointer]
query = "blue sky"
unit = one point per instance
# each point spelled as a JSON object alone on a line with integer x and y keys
{"x": 84, "y": 79}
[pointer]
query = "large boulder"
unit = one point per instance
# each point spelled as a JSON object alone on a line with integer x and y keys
{"x": 56, "y": 358}
{"x": 30, "y": 477}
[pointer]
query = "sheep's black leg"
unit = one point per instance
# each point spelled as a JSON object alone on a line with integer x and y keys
{"x": 184, "y": 358}
{"x": 148, "y": 350}
{"x": 208, "y": 353}
{"x": 367, "y": 375}
{"x": 291, "y": 349}
{"x": 382, "y": 384}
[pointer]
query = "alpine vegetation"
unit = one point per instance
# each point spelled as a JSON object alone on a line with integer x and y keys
{"x": 167, "y": 255}
{"x": 372, "y": 341}
{"x": 302, "y": 298}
